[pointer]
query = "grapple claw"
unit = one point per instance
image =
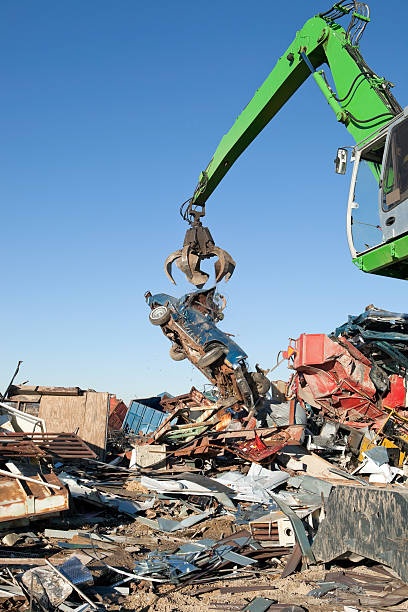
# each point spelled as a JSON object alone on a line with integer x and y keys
{"x": 220, "y": 263}
{"x": 224, "y": 267}
{"x": 184, "y": 262}
{"x": 189, "y": 263}
{"x": 199, "y": 245}
{"x": 196, "y": 276}
{"x": 168, "y": 263}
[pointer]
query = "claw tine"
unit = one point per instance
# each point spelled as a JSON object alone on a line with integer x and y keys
{"x": 184, "y": 263}
{"x": 231, "y": 267}
{"x": 168, "y": 264}
{"x": 225, "y": 266}
{"x": 220, "y": 265}
{"x": 219, "y": 272}
{"x": 198, "y": 277}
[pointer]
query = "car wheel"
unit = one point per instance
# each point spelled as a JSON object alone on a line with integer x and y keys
{"x": 159, "y": 315}
{"x": 177, "y": 353}
{"x": 262, "y": 383}
{"x": 214, "y": 353}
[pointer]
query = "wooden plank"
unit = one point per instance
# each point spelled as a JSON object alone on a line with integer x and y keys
{"x": 87, "y": 413}
{"x": 35, "y": 390}
{"x": 58, "y": 390}
{"x": 63, "y": 413}
{"x": 96, "y": 421}
{"x": 22, "y": 561}
{"x": 32, "y": 399}
{"x": 24, "y": 389}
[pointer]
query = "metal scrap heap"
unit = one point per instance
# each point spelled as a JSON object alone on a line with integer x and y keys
{"x": 191, "y": 502}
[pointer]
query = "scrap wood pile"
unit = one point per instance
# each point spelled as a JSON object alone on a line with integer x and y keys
{"x": 192, "y": 500}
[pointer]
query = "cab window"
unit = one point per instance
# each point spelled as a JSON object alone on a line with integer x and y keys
{"x": 395, "y": 181}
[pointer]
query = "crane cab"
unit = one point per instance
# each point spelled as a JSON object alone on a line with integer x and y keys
{"x": 378, "y": 233}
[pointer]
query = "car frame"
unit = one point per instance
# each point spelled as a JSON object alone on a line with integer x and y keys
{"x": 189, "y": 323}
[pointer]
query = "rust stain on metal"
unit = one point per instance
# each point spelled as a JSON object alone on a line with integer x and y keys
{"x": 40, "y": 444}
{"x": 25, "y": 499}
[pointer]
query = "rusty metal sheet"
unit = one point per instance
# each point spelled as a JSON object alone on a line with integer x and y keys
{"x": 255, "y": 449}
{"x": 193, "y": 398}
{"x": 215, "y": 442}
{"x": 15, "y": 448}
{"x": 59, "y": 445}
{"x": 293, "y": 562}
{"x": 20, "y": 499}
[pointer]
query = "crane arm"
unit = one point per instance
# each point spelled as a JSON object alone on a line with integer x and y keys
{"x": 320, "y": 41}
{"x": 362, "y": 102}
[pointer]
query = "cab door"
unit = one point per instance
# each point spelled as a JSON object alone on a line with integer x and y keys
{"x": 393, "y": 205}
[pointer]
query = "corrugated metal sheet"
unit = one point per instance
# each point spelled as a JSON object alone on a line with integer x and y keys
{"x": 142, "y": 417}
{"x": 117, "y": 413}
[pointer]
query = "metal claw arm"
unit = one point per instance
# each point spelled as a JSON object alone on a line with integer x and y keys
{"x": 199, "y": 245}
{"x": 362, "y": 102}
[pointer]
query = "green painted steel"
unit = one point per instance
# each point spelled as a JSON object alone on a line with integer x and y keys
{"x": 360, "y": 99}
{"x": 323, "y": 41}
{"x": 341, "y": 115}
{"x": 389, "y": 259}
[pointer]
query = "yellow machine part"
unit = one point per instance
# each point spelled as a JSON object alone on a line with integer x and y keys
{"x": 367, "y": 444}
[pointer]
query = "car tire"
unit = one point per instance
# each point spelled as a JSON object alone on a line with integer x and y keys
{"x": 177, "y": 353}
{"x": 262, "y": 383}
{"x": 213, "y": 354}
{"x": 159, "y": 315}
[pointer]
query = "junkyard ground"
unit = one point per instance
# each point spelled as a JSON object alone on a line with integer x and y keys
{"x": 167, "y": 598}
{"x": 291, "y": 590}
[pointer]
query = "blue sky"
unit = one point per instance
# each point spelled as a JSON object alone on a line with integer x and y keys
{"x": 109, "y": 111}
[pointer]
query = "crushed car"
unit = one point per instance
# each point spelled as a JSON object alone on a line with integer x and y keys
{"x": 189, "y": 323}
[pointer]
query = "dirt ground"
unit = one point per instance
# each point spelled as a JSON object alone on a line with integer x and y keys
{"x": 170, "y": 598}
{"x": 291, "y": 590}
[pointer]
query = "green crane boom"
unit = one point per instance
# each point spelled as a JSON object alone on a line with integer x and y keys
{"x": 362, "y": 102}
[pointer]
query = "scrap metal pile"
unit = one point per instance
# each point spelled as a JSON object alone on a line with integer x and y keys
{"x": 293, "y": 502}
{"x": 356, "y": 381}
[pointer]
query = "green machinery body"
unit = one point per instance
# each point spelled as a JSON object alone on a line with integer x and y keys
{"x": 360, "y": 99}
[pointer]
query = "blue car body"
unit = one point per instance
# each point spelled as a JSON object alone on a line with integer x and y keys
{"x": 200, "y": 326}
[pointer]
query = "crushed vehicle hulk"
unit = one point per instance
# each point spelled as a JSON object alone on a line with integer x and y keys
{"x": 189, "y": 323}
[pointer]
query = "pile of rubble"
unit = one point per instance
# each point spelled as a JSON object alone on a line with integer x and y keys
{"x": 181, "y": 503}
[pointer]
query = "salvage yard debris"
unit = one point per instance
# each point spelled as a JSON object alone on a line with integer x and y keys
{"x": 298, "y": 500}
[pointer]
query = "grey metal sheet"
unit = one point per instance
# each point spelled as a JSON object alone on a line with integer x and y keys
{"x": 204, "y": 481}
{"x": 182, "y": 567}
{"x": 167, "y": 524}
{"x": 197, "y": 545}
{"x": 299, "y": 529}
{"x": 311, "y": 484}
{"x": 227, "y": 554}
{"x": 378, "y": 454}
{"x": 76, "y": 571}
{"x": 259, "y": 604}
{"x": 348, "y": 476}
